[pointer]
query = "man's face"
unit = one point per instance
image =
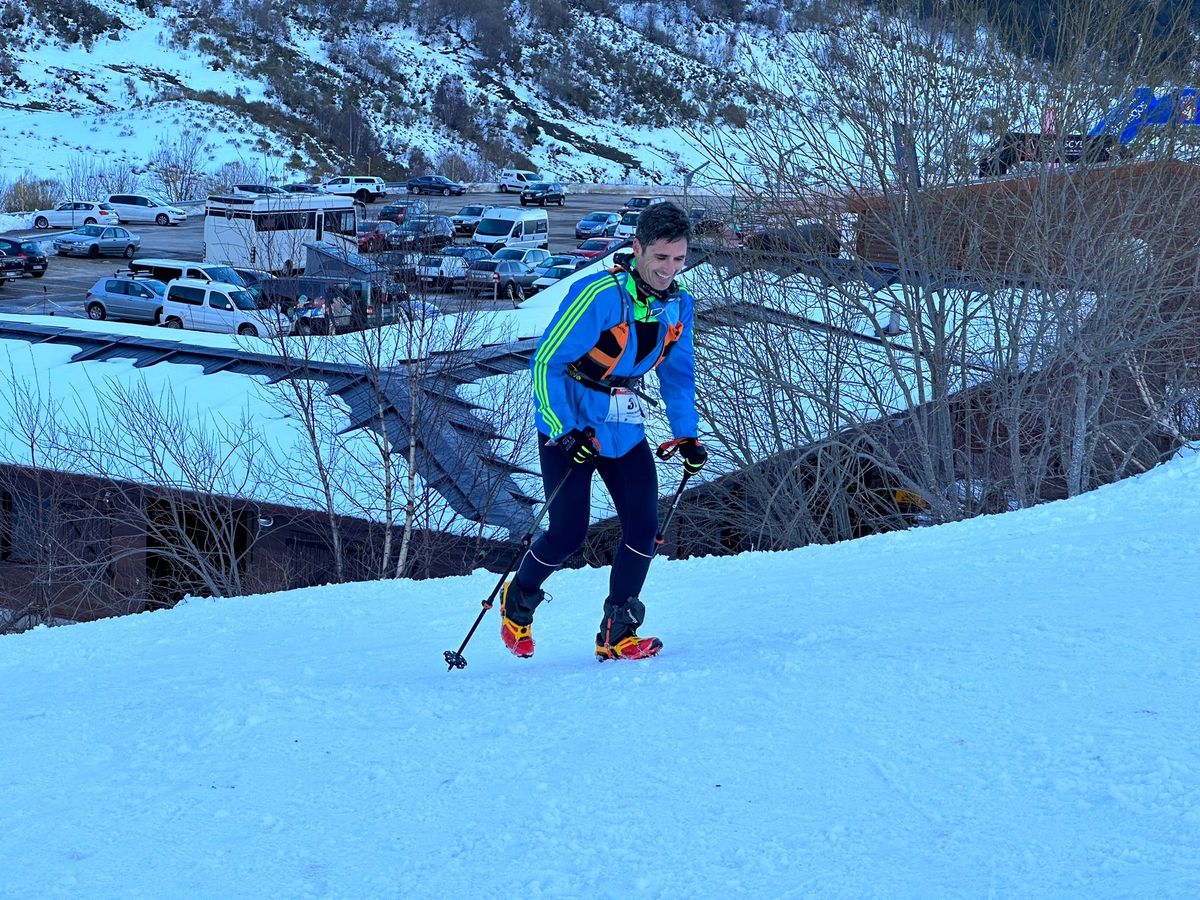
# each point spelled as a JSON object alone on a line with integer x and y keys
{"x": 660, "y": 261}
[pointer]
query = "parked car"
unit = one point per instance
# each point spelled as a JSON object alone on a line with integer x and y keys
{"x": 435, "y": 184}
{"x": 448, "y": 269}
{"x": 423, "y": 233}
{"x": 547, "y": 276}
{"x": 544, "y": 192}
{"x": 516, "y": 179}
{"x": 559, "y": 259}
{"x": 303, "y": 188}
{"x": 639, "y": 203}
{"x": 628, "y": 225}
{"x": 469, "y": 252}
{"x": 441, "y": 272}
{"x": 146, "y": 208}
{"x": 30, "y": 253}
{"x": 593, "y": 248}
{"x": 534, "y": 256}
{"x": 704, "y": 221}
{"x": 11, "y": 268}
{"x": 374, "y": 236}
{"x": 126, "y": 297}
{"x": 258, "y": 190}
{"x": 97, "y": 240}
{"x": 597, "y": 224}
{"x": 399, "y": 210}
{"x": 808, "y": 240}
{"x": 253, "y": 279}
{"x": 467, "y": 219}
{"x": 364, "y": 188}
{"x": 220, "y": 307}
{"x": 73, "y": 213}
{"x": 507, "y": 278}
{"x": 166, "y": 269}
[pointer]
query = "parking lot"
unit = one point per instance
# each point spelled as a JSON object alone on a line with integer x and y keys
{"x": 61, "y": 291}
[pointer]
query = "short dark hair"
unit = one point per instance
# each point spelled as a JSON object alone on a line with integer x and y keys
{"x": 664, "y": 221}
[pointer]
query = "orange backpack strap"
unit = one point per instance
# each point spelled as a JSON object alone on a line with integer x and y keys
{"x": 608, "y": 351}
{"x": 674, "y": 333}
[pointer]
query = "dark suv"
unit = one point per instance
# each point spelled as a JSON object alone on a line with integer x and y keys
{"x": 543, "y": 192}
{"x": 401, "y": 209}
{"x": 33, "y": 260}
{"x": 435, "y": 184}
{"x": 424, "y": 234}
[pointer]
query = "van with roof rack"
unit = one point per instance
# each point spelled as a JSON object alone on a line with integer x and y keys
{"x": 169, "y": 269}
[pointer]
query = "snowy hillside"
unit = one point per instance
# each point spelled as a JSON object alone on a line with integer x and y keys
{"x": 1003, "y": 707}
{"x": 315, "y": 86}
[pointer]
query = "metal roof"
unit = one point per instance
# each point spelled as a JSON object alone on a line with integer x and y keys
{"x": 453, "y": 449}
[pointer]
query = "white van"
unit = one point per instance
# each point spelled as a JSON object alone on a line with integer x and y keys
{"x": 220, "y": 307}
{"x": 166, "y": 270}
{"x": 517, "y": 180}
{"x": 504, "y": 226}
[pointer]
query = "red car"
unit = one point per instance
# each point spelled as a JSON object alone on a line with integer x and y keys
{"x": 373, "y": 236}
{"x": 595, "y": 247}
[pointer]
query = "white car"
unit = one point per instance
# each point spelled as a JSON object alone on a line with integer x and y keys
{"x": 73, "y": 213}
{"x": 146, "y": 208}
{"x": 551, "y": 275}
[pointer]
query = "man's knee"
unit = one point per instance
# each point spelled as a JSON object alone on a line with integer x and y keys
{"x": 562, "y": 542}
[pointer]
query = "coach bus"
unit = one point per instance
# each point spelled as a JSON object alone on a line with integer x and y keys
{"x": 269, "y": 232}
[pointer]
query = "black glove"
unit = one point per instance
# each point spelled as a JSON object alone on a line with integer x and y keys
{"x": 579, "y": 446}
{"x": 694, "y": 455}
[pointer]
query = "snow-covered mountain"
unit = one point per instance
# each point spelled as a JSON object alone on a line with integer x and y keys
{"x": 1002, "y": 707}
{"x": 589, "y": 92}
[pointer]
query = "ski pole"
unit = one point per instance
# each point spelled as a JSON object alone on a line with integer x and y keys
{"x": 661, "y": 536}
{"x": 665, "y": 452}
{"x": 455, "y": 659}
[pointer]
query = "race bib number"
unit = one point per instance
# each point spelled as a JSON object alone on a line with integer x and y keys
{"x": 625, "y": 408}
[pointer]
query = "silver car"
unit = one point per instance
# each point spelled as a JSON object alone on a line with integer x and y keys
{"x": 94, "y": 240}
{"x": 122, "y": 297}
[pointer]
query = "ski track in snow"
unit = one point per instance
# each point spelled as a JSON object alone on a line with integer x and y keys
{"x": 1000, "y": 708}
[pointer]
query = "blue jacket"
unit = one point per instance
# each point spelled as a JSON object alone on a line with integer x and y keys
{"x": 592, "y": 306}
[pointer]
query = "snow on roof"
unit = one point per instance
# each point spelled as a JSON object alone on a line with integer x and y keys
{"x": 138, "y": 403}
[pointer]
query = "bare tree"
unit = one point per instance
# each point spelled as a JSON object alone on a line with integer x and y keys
{"x": 187, "y": 484}
{"x": 177, "y": 166}
{"x": 379, "y": 469}
{"x": 968, "y": 317}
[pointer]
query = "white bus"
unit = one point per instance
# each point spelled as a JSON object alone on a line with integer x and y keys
{"x": 270, "y": 232}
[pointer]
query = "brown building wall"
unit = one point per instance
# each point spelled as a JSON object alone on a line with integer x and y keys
{"x": 1040, "y": 225}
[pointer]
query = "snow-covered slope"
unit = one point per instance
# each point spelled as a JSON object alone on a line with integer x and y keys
{"x": 1002, "y": 707}
{"x": 267, "y": 87}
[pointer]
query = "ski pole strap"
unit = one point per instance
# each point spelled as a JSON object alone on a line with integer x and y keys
{"x": 670, "y": 448}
